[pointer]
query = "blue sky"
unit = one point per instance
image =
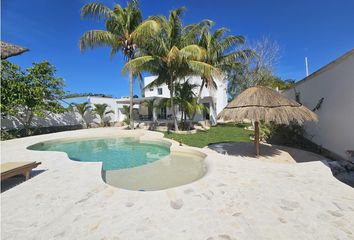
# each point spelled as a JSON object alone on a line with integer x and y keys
{"x": 321, "y": 30}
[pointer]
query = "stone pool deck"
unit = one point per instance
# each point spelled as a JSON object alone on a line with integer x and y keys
{"x": 241, "y": 197}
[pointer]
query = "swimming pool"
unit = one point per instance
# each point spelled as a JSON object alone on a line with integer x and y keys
{"x": 176, "y": 169}
{"x": 114, "y": 153}
{"x": 133, "y": 164}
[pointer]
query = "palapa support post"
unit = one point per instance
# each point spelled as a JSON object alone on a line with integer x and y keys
{"x": 256, "y": 137}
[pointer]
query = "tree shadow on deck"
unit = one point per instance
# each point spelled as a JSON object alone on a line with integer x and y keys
{"x": 16, "y": 180}
{"x": 276, "y": 153}
{"x": 267, "y": 151}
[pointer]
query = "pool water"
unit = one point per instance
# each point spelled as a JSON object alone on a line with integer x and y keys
{"x": 113, "y": 153}
{"x": 174, "y": 170}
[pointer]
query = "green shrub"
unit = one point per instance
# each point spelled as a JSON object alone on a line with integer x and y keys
{"x": 292, "y": 135}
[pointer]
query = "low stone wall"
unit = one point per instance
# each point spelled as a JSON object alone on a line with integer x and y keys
{"x": 52, "y": 120}
{"x": 11, "y": 127}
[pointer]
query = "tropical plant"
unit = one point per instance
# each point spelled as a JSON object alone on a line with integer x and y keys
{"x": 127, "y": 116}
{"x": 151, "y": 105}
{"x": 185, "y": 99}
{"x": 172, "y": 54}
{"x": 34, "y": 92}
{"x": 193, "y": 107}
{"x": 222, "y": 53}
{"x": 82, "y": 109}
{"x": 101, "y": 110}
{"x": 123, "y": 27}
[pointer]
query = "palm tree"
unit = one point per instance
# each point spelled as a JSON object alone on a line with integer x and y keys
{"x": 183, "y": 96}
{"x": 127, "y": 117}
{"x": 187, "y": 101}
{"x": 221, "y": 53}
{"x": 101, "y": 110}
{"x": 82, "y": 109}
{"x": 123, "y": 27}
{"x": 172, "y": 54}
{"x": 150, "y": 104}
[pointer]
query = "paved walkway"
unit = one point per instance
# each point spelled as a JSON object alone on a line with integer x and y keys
{"x": 239, "y": 198}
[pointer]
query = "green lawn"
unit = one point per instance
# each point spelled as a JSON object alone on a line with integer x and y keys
{"x": 219, "y": 133}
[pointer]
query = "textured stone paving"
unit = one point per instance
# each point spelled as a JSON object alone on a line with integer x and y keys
{"x": 239, "y": 198}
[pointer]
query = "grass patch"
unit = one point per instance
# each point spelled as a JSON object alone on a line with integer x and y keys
{"x": 216, "y": 134}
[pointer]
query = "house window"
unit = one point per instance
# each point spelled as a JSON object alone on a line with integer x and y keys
{"x": 151, "y": 89}
{"x": 159, "y": 91}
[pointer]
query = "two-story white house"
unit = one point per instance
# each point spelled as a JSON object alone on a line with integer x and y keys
{"x": 214, "y": 100}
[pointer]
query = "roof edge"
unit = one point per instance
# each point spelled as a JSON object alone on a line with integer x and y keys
{"x": 327, "y": 67}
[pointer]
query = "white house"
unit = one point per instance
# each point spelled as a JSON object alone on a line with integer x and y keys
{"x": 113, "y": 104}
{"x": 213, "y": 99}
{"x": 330, "y": 92}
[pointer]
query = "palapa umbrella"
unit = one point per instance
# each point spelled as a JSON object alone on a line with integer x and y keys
{"x": 264, "y": 104}
{"x": 9, "y": 50}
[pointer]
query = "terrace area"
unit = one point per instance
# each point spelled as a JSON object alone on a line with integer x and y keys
{"x": 212, "y": 137}
{"x": 239, "y": 198}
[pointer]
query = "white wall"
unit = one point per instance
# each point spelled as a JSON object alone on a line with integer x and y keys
{"x": 51, "y": 119}
{"x": 70, "y": 118}
{"x": 112, "y": 105}
{"x": 335, "y": 129}
{"x": 216, "y": 97}
{"x": 153, "y": 91}
{"x": 111, "y": 102}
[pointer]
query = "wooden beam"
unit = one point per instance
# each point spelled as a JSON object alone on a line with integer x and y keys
{"x": 256, "y": 137}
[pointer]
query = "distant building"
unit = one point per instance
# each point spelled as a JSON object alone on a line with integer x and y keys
{"x": 214, "y": 100}
{"x": 330, "y": 93}
{"x": 112, "y": 103}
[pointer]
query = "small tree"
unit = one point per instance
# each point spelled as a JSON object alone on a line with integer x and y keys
{"x": 101, "y": 110}
{"x": 150, "y": 104}
{"x": 82, "y": 109}
{"x": 33, "y": 92}
{"x": 258, "y": 69}
{"x": 127, "y": 116}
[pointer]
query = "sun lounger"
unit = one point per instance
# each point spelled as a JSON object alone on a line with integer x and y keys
{"x": 11, "y": 169}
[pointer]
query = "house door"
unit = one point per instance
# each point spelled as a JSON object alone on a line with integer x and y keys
{"x": 163, "y": 113}
{"x": 206, "y": 111}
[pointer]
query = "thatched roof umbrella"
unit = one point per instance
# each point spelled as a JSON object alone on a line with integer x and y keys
{"x": 9, "y": 50}
{"x": 264, "y": 104}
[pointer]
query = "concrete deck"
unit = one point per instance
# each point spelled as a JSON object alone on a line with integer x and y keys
{"x": 239, "y": 198}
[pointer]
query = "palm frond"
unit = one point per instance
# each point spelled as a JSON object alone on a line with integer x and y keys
{"x": 137, "y": 64}
{"x": 193, "y": 52}
{"x": 145, "y": 31}
{"x": 204, "y": 69}
{"x": 98, "y": 38}
{"x": 97, "y": 11}
{"x": 230, "y": 42}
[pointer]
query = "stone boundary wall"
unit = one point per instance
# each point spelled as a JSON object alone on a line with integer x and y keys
{"x": 52, "y": 120}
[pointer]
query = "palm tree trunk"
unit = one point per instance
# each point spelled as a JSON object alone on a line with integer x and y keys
{"x": 131, "y": 97}
{"x": 101, "y": 118}
{"x": 173, "y": 106}
{"x": 199, "y": 96}
{"x": 200, "y": 91}
{"x": 140, "y": 82}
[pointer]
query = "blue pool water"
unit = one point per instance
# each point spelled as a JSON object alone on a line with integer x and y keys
{"x": 113, "y": 153}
